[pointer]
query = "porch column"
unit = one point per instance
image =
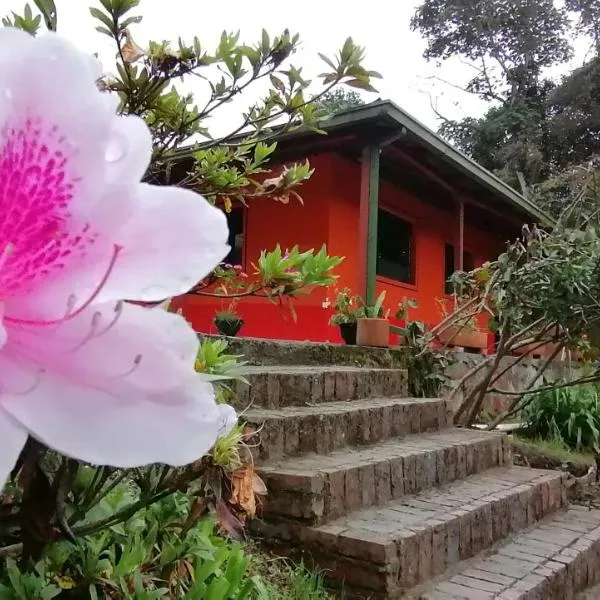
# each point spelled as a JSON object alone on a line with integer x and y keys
{"x": 369, "y": 204}
{"x": 459, "y": 243}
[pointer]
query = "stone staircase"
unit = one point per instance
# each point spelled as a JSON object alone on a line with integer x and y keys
{"x": 390, "y": 501}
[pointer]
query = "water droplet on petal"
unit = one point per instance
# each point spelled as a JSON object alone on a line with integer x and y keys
{"x": 8, "y": 93}
{"x": 116, "y": 149}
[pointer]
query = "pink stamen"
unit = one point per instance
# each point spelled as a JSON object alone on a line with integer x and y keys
{"x": 86, "y": 304}
{"x": 6, "y": 254}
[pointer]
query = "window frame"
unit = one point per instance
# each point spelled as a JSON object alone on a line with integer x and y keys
{"x": 398, "y": 214}
{"x": 244, "y": 233}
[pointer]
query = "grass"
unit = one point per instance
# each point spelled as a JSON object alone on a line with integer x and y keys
{"x": 556, "y": 451}
{"x": 286, "y": 580}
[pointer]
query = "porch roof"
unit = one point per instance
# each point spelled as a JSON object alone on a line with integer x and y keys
{"x": 384, "y": 123}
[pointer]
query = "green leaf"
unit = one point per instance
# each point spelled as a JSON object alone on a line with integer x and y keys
{"x": 328, "y": 61}
{"x": 130, "y": 21}
{"x": 265, "y": 42}
{"x": 104, "y": 30}
{"x": 100, "y": 16}
{"x": 217, "y": 589}
{"x": 360, "y": 84}
{"x": 48, "y": 10}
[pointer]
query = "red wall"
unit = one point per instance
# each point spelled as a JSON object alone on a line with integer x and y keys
{"x": 267, "y": 224}
{"x": 330, "y": 215}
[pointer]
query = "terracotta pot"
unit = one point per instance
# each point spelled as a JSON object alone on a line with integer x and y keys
{"x": 464, "y": 338}
{"x": 348, "y": 333}
{"x": 373, "y": 332}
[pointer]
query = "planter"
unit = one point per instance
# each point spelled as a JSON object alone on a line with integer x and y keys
{"x": 373, "y": 332}
{"x": 535, "y": 350}
{"x": 228, "y": 327}
{"x": 464, "y": 338}
{"x": 548, "y": 350}
{"x": 348, "y": 333}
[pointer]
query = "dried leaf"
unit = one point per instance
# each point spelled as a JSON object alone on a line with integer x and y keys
{"x": 242, "y": 492}
{"x": 229, "y": 522}
{"x": 130, "y": 50}
{"x": 258, "y": 486}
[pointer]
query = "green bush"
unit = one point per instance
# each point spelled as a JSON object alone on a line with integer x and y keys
{"x": 570, "y": 415}
{"x": 167, "y": 550}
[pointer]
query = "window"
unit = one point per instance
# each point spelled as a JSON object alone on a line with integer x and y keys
{"x": 394, "y": 247}
{"x": 235, "y": 222}
{"x": 468, "y": 265}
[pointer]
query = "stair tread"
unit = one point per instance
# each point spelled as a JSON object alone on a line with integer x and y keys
{"x": 387, "y": 449}
{"x": 556, "y": 557}
{"x": 437, "y": 504}
{"x": 308, "y": 369}
{"x": 338, "y": 406}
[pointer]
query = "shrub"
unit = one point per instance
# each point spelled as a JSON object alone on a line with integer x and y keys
{"x": 570, "y": 415}
{"x": 168, "y": 550}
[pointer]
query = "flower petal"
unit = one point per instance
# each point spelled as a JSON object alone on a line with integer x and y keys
{"x": 73, "y": 119}
{"x": 129, "y": 150}
{"x": 12, "y": 440}
{"x": 13, "y": 42}
{"x": 97, "y": 428}
{"x": 121, "y": 348}
{"x": 173, "y": 241}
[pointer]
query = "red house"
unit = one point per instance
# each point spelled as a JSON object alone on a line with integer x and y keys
{"x": 403, "y": 207}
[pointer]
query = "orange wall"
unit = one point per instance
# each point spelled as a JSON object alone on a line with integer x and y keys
{"x": 330, "y": 215}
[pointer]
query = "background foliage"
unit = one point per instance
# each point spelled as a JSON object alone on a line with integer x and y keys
{"x": 538, "y": 131}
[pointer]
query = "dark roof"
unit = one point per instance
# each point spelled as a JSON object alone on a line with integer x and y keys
{"x": 383, "y": 120}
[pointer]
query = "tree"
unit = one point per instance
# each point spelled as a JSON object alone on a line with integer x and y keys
{"x": 339, "y": 100}
{"x": 589, "y": 19}
{"x": 541, "y": 292}
{"x": 508, "y": 42}
{"x": 538, "y": 131}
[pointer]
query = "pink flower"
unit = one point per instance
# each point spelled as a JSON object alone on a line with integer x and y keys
{"x": 93, "y": 377}
{"x": 243, "y": 276}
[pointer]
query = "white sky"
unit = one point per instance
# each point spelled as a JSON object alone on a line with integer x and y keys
{"x": 381, "y": 26}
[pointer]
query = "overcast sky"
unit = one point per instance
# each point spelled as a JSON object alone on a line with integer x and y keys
{"x": 392, "y": 49}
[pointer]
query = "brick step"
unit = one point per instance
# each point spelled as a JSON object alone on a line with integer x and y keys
{"x": 553, "y": 561}
{"x": 278, "y": 352}
{"x": 333, "y": 425}
{"x": 277, "y": 387}
{"x": 313, "y": 488}
{"x": 384, "y": 552}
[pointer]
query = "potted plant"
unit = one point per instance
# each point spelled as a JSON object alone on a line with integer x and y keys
{"x": 228, "y": 322}
{"x": 460, "y": 332}
{"x": 373, "y": 328}
{"x": 347, "y": 309}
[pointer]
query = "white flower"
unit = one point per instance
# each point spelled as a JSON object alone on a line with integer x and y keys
{"x": 91, "y": 376}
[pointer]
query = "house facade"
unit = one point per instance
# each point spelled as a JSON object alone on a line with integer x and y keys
{"x": 402, "y": 206}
